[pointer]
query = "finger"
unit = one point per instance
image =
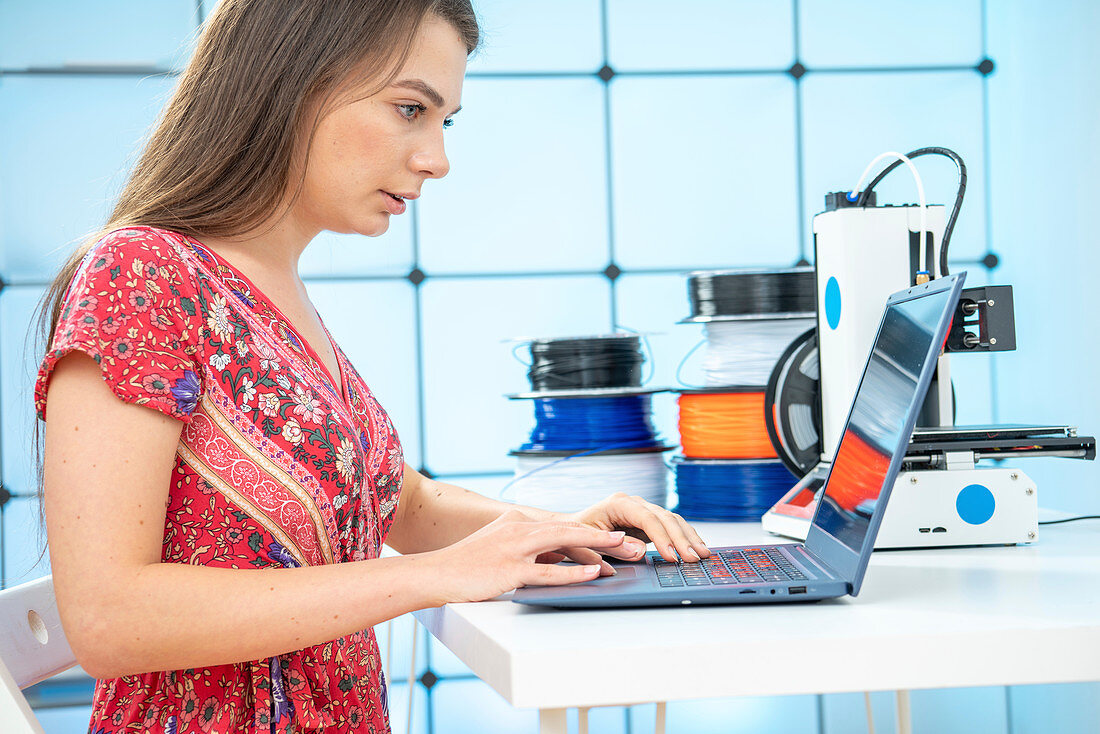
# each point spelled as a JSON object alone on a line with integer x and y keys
{"x": 585, "y": 556}
{"x": 556, "y": 575}
{"x": 551, "y": 536}
{"x": 667, "y": 536}
{"x": 630, "y": 550}
{"x": 550, "y": 557}
{"x": 678, "y": 532}
{"x": 700, "y": 547}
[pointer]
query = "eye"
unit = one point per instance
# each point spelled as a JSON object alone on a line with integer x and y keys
{"x": 411, "y": 111}
{"x": 450, "y": 121}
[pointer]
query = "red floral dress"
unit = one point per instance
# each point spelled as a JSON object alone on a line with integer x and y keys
{"x": 275, "y": 469}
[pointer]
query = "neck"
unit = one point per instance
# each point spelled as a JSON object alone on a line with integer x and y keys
{"x": 273, "y": 247}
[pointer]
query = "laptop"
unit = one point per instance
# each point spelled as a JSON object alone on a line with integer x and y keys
{"x": 833, "y": 560}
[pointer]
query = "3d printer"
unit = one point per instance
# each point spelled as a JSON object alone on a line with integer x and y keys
{"x": 863, "y": 253}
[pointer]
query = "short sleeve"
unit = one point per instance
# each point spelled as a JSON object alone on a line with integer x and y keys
{"x": 133, "y": 308}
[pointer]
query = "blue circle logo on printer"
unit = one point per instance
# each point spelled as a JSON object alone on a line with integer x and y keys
{"x": 832, "y": 303}
{"x": 975, "y": 504}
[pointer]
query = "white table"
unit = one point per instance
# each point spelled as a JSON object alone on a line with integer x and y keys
{"x": 924, "y": 619}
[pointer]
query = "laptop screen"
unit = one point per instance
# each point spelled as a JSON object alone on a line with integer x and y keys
{"x": 883, "y": 403}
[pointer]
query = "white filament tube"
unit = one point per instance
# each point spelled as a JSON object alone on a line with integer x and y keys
{"x": 920, "y": 195}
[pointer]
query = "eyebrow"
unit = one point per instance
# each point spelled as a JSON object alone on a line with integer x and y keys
{"x": 424, "y": 88}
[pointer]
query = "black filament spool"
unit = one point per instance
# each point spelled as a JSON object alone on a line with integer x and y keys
{"x": 613, "y": 361}
{"x": 715, "y": 294}
{"x": 792, "y": 406}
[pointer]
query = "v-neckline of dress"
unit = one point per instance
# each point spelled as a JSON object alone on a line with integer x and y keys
{"x": 343, "y": 403}
{"x": 314, "y": 361}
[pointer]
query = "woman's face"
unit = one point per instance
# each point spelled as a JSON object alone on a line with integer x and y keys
{"x": 366, "y": 153}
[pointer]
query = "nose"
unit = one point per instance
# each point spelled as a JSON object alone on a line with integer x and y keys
{"x": 430, "y": 159}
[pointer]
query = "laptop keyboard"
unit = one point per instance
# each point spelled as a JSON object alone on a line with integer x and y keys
{"x": 733, "y": 566}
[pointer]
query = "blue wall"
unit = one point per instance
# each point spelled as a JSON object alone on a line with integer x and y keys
{"x": 703, "y": 149}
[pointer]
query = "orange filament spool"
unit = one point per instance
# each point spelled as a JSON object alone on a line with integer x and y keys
{"x": 724, "y": 425}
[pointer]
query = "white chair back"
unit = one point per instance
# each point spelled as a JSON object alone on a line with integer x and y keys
{"x": 33, "y": 648}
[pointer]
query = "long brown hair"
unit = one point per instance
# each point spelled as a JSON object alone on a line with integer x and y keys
{"x": 220, "y": 158}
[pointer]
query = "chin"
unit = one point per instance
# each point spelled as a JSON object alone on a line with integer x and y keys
{"x": 373, "y": 228}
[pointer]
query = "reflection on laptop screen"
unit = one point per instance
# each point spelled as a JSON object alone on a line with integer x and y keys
{"x": 882, "y": 402}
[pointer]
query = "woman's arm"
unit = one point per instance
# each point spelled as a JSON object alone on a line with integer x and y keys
{"x": 107, "y": 474}
{"x": 433, "y": 514}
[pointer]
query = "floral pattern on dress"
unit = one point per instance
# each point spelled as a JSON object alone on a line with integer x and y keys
{"x": 275, "y": 469}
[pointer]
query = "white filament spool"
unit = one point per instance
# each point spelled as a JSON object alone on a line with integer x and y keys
{"x": 744, "y": 352}
{"x": 574, "y": 483}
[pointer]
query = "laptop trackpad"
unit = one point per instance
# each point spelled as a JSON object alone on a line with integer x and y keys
{"x": 625, "y": 572}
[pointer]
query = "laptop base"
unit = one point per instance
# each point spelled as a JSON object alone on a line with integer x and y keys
{"x": 640, "y": 584}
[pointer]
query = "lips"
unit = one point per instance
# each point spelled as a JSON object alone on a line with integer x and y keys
{"x": 395, "y": 203}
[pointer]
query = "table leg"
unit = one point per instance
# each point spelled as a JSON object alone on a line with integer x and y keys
{"x": 659, "y": 723}
{"x": 582, "y": 720}
{"x": 553, "y": 721}
{"x": 412, "y": 677}
{"x": 389, "y": 650}
{"x": 905, "y": 722}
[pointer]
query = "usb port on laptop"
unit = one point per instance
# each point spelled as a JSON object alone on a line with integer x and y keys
{"x": 796, "y": 590}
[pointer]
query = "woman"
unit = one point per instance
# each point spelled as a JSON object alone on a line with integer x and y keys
{"x": 218, "y": 479}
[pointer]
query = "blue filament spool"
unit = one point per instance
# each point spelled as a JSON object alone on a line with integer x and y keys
{"x": 587, "y": 424}
{"x": 729, "y": 490}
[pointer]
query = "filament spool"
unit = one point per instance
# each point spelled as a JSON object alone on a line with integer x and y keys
{"x": 609, "y": 361}
{"x": 744, "y": 352}
{"x": 593, "y": 426}
{"x": 731, "y": 491}
{"x": 792, "y": 405}
{"x": 569, "y": 425}
{"x": 750, "y": 316}
{"x": 717, "y": 295}
{"x": 572, "y": 483}
{"x": 726, "y": 424}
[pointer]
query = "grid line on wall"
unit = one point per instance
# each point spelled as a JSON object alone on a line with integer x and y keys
{"x": 418, "y": 340}
{"x": 606, "y": 74}
{"x": 3, "y": 550}
{"x": 418, "y": 275}
{"x": 987, "y": 204}
{"x": 5, "y": 496}
{"x": 797, "y": 71}
{"x": 153, "y": 71}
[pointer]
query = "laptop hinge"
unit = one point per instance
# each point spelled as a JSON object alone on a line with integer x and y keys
{"x": 821, "y": 564}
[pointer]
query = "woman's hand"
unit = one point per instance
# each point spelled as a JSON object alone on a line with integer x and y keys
{"x": 514, "y": 551}
{"x": 648, "y": 522}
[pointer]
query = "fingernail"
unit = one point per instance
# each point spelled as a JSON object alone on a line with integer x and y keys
{"x": 694, "y": 554}
{"x": 609, "y": 569}
{"x": 618, "y": 535}
{"x": 589, "y": 570}
{"x": 672, "y": 552}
